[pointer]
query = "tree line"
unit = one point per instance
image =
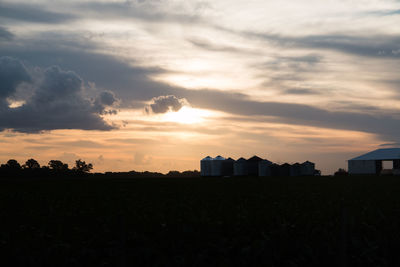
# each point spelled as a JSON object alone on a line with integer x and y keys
{"x": 32, "y": 167}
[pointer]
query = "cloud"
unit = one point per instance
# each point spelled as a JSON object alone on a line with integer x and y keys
{"x": 385, "y": 12}
{"x": 12, "y": 73}
{"x": 130, "y": 82}
{"x": 373, "y": 45}
{"x": 301, "y": 91}
{"x": 163, "y": 104}
{"x": 32, "y": 13}
{"x": 57, "y": 102}
{"x": 142, "y": 159}
{"x": 133, "y": 84}
{"x": 107, "y": 98}
{"x": 149, "y": 11}
{"x": 206, "y": 45}
{"x": 5, "y": 34}
{"x": 104, "y": 100}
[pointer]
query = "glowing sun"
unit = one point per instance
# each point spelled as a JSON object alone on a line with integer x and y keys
{"x": 187, "y": 115}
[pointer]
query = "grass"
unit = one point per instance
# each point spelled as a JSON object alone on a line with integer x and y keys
{"x": 307, "y": 221}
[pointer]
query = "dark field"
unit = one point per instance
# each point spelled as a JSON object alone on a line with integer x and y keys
{"x": 309, "y": 221}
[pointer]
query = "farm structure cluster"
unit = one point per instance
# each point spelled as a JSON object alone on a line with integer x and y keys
{"x": 254, "y": 166}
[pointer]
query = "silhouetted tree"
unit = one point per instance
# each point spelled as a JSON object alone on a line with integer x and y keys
{"x": 12, "y": 164}
{"x": 173, "y": 174}
{"x": 31, "y": 164}
{"x": 58, "y": 165}
{"x": 81, "y": 166}
{"x": 341, "y": 172}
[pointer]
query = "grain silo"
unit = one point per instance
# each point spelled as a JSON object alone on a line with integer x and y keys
{"x": 284, "y": 169}
{"x": 252, "y": 165}
{"x": 205, "y": 166}
{"x": 295, "y": 169}
{"x": 307, "y": 168}
{"x": 227, "y": 167}
{"x": 264, "y": 168}
{"x": 216, "y": 166}
{"x": 240, "y": 167}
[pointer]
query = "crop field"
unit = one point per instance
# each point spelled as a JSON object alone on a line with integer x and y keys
{"x": 307, "y": 221}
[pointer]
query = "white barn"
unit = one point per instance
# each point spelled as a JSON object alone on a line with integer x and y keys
{"x": 371, "y": 163}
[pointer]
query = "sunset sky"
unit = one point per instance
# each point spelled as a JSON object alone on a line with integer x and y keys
{"x": 159, "y": 84}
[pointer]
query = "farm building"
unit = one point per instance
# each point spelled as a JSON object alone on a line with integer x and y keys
{"x": 252, "y": 165}
{"x": 205, "y": 166}
{"x": 240, "y": 167}
{"x": 217, "y": 165}
{"x": 307, "y": 168}
{"x": 227, "y": 167}
{"x": 295, "y": 169}
{"x": 264, "y": 168}
{"x": 372, "y": 162}
{"x": 284, "y": 169}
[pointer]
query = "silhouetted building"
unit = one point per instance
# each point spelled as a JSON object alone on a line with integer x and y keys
{"x": 275, "y": 169}
{"x": 307, "y": 168}
{"x": 372, "y": 162}
{"x": 205, "y": 166}
{"x": 284, "y": 169}
{"x": 240, "y": 167}
{"x": 264, "y": 168}
{"x": 256, "y": 166}
{"x": 216, "y": 166}
{"x": 227, "y": 167}
{"x": 252, "y": 165}
{"x": 295, "y": 169}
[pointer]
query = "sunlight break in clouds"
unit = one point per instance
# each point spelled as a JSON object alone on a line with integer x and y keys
{"x": 187, "y": 115}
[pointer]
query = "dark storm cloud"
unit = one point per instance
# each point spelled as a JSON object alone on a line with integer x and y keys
{"x": 131, "y": 83}
{"x": 57, "y": 102}
{"x": 103, "y": 101}
{"x": 163, "y": 104}
{"x": 32, "y": 13}
{"x": 5, "y": 34}
{"x": 12, "y": 73}
{"x": 107, "y": 98}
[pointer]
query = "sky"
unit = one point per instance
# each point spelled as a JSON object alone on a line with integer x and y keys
{"x": 158, "y": 85}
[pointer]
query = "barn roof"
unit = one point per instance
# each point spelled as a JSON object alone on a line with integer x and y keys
{"x": 381, "y": 154}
